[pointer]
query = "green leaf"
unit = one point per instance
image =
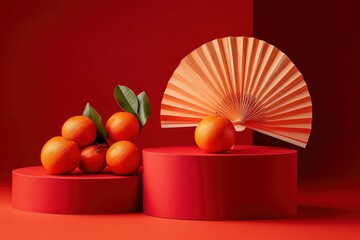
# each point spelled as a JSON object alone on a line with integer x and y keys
{"x": 144, "y": 108}
{"x": 126, "y": 99}
{"x": 91, "y": 113}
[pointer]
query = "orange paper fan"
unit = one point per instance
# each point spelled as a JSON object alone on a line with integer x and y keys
{"x": 247, "y": 80}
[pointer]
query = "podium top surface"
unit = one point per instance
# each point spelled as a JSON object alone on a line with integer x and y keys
{"x": 238, "y": 150}
{"x": 39, "y": 172}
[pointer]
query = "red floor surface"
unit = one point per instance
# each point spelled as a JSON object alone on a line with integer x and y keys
{"x": 326, "y": 214}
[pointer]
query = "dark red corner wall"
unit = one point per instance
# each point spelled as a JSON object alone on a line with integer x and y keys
{"x": 323, "y": 39}
{"x": 57, "y": 55}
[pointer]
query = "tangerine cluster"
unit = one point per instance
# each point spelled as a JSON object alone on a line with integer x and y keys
{"x": 87, "y": 144}
{"x": 77, "y": 147}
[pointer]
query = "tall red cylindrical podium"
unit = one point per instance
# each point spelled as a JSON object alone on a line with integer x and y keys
{"x": 248, "y": 182}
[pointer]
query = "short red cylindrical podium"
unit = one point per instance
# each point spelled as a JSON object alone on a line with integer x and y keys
{"x": 36, "y": 191}
{"x": 247, "y": 182}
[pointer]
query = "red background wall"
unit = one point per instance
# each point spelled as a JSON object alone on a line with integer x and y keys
{"x": 57, "y": 55}
{"x": 322, "y": 38}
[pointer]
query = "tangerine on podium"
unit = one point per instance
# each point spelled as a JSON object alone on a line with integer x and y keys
{"x": 36, "y": 191}
{"x": 247, "y": 182}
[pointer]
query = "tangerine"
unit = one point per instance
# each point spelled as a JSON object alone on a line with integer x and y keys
{"x": 60, "y": 156}
{"x": 122, "y": 126}
{"x": 79, "y": 129}
{"x": 93, "y": 159}
{"x": 123, "y": 158}
{"x": 215, "y": 134}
